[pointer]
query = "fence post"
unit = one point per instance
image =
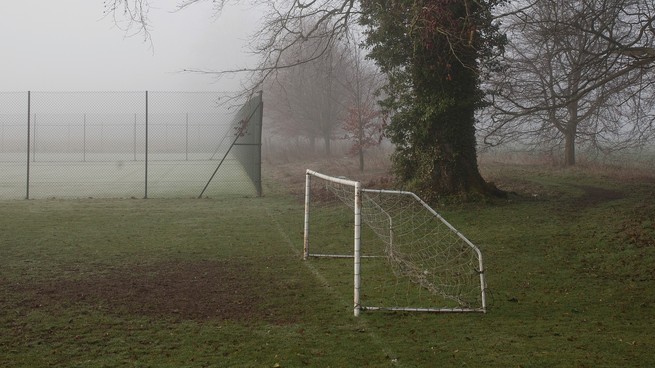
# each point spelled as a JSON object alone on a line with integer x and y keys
{"x": 134, "y": 137}
{"x": 259, "y": 154}
{"x": 146, "y": 143}
{"x": 84, "y": 137}
{"x": 29, "y": 117}
{"x": 34, "y": 139}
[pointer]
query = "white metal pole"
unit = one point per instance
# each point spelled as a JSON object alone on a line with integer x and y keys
{"x": 358, "y": 243}
{"x": 308, "y": 180}
{"x": 358, "y": 230}
{"x": 483, "y": 286}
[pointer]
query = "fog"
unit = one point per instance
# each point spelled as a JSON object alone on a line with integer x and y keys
{"x": 71, "y": 46}
{"x": 93, "y": 144}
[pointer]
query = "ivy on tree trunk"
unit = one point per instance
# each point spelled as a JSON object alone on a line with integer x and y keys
{"x": 430, "y": 51}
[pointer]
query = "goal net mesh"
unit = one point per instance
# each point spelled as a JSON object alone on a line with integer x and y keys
{"x": 411, "y": 258}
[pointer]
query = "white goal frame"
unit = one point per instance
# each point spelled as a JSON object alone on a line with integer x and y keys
{"x": 359, "y": 191}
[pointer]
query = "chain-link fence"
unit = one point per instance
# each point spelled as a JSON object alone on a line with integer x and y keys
{"x": 128, "y": 144}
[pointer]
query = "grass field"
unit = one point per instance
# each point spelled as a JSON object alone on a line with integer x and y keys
{"x": 219, "y": 282}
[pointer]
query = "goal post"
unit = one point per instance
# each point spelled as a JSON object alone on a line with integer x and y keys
{"x": 406, "y": 258}
{"x": 356, "y": 205}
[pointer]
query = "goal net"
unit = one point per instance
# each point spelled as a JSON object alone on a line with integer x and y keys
{"x": 407, "y": 257}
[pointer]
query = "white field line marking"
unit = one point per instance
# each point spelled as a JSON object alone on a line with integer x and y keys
{"x": 326, "y": 285}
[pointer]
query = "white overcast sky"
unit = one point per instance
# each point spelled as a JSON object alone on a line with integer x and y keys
{"x": 67, "y": 45}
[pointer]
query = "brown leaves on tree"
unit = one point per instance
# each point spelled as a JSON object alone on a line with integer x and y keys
{"x": 364, "y": 127}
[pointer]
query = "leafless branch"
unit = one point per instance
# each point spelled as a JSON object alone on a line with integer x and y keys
{"x": 579, "y": 69}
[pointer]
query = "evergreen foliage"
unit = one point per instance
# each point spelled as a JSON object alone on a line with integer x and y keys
{"x": 433, "y": 53}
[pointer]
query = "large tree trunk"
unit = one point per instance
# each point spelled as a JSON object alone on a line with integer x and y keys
{"x": 452, "y": 130}
{"x": 455, "y": 165}
{"x": 571, "y": 127}
{"x": 444, "y": 163}
{"x": 569, "y": 148}
{"x": 455, "y": 174}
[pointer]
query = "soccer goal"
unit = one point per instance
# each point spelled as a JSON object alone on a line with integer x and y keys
{"x": 406, "y": 256}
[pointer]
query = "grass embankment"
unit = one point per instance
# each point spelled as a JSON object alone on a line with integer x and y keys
{"x": 219, "y": 282}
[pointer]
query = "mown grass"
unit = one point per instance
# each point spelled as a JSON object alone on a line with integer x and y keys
{"x": 570, "y": 266}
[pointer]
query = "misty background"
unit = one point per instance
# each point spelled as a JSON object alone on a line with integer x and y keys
{"x": 72, "y": 46}
{"x": 88, "y": 76}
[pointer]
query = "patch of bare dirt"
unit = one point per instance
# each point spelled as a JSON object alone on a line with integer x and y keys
{"x": 526, "y": 188}
{"x": 590, "y": 196}
{"x": 185, "y": 290}
{"x": 593, "y": 196}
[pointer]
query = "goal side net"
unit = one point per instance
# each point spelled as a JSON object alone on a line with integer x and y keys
{"x": 406, "y": 256}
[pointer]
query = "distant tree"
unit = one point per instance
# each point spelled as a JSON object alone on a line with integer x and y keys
{"x": 282, "y": 120}
{"x": 365, "y": 123}
{"x": 310, "y": 100}
{"x": 363, "y": 127}
{"x": 577, "y": 72}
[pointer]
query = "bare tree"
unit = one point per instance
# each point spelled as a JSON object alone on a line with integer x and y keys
{"x": 577, "y": 72}
{"x": 313, "y": 25}
{"x": 332, "y": 97}
{"x": 309, "y": 99}
{"x": 364, "y": 123}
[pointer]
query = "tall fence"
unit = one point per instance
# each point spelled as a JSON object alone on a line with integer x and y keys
{"x": 128, "y": 144}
